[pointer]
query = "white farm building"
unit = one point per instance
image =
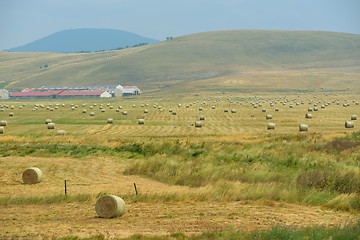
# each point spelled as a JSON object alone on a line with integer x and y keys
{"x": 127, "y": 91}
{"x": 4, "y": 94}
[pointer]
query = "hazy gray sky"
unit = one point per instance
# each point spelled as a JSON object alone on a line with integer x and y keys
{"x": 23, "y": 21}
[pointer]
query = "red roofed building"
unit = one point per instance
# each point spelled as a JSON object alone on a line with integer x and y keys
{"x": 52, "y": 94}
{"x": 71, "y": 94}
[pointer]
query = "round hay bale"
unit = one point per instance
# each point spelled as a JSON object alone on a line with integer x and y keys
{"x": 51, "y": 125}
{"x": 48, "y": 120}
{"x": 3, "y": 123}
{"x": 353, "y": 117}
{"x": 349, "y": 124}
{"x": 32, "y": 175}
{"x": 103, "y": 110}
{"x": 233, "y": 110}
{"x": 310, "y": 109}
{"x": 202, "y": 118}
{"x": 226, "y": 110}
{"x": 141, "y": 121}
{"x": 110, "y": 206}
{"x": 84, "y": 111}
{"x": 277, "y": 110}
{"x": 11, "y": 114}
{"x": 263, "y": 110}
{"x": 2, "y": 131}
{"x": 308, "y": 115}
{"x": 198, "y": 124}
{"x": 173, "y": 113}
{"x": 92, "y": 114}
{"x": 268, "y": 116}
{"x": 60, "y": 132}
{"x": 124, "y": 113}
{"x": 303, "y": 127}
{"x": 146, "y": 111}
{"x": 110, "y": 121}
{"x": 270, "y": 126}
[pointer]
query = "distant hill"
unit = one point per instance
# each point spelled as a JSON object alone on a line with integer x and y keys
{"x": 212, "y": 60}
{"x": 84, "y": 40}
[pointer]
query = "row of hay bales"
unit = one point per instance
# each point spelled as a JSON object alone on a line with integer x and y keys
{"x": 107, "y": 206}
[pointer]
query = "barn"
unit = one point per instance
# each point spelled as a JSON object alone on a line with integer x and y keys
{"x": 127, "y": 91}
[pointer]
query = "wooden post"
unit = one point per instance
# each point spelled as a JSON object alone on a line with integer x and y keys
{"x": 65, "y": 187}
{"x": 136, "y": 191}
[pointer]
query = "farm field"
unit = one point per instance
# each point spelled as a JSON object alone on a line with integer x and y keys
{"x": 231, "y": 174}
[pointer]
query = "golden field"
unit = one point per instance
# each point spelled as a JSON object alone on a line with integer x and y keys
{"x": 232, "y": 173}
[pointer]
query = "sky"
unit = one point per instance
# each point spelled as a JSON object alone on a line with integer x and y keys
{"x": 24, "y": 21}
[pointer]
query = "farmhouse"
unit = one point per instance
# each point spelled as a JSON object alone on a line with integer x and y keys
{"x": 127, "y": 91}
{"x": 4, "y": 94}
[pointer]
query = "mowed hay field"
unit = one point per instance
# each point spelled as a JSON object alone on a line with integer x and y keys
{"x": 231, "y": 176}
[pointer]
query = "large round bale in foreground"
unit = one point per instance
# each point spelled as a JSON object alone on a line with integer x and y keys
{"x": 349, "y": 124}
{"x": 110, "y": 206}
{"x": 303, "y": 127}
{"x": 51, "y": 125}
{"x": 32, "y": 175}
{"x": 2, "y": 130}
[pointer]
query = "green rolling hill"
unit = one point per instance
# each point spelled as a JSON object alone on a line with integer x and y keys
{"x": 211, "y": 60}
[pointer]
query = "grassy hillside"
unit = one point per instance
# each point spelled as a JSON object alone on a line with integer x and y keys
{"x": 212, "y": 60}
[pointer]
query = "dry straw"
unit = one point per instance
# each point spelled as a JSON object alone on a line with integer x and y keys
{"x": 32, "y": 175}
{"x": 110, "y": 206}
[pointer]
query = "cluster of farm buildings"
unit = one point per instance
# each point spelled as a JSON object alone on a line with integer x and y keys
{"x": 103, "y": 91}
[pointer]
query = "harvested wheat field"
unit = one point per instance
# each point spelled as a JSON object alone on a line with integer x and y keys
{"x": 232, "y": 175}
